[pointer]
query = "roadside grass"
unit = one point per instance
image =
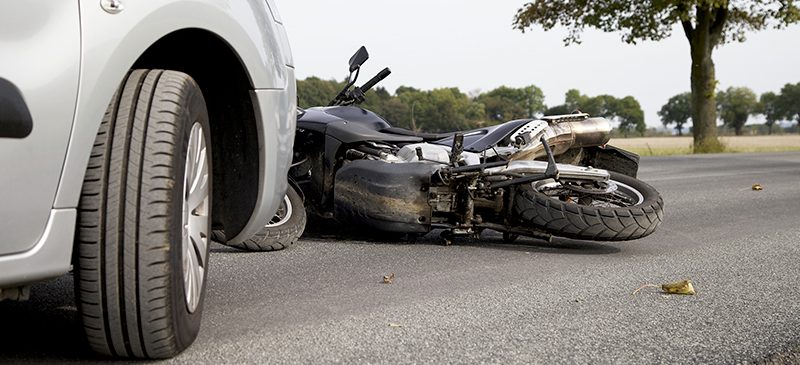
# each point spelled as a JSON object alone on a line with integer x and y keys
{"x": 670, "y": 146}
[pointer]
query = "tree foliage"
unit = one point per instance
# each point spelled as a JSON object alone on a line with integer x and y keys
{"x": 441, "y": 110}
{"x": 438, "y": 110}
{"x": 678, "y": 111}
{"x": 505, "y": 103}
{"x": 768, "y": 107}
{"x": 736, "y": 104}
{"x": 654, "y": 20}
{"x": 788, "y": 103}
{"x": 314, "y": 91}
{"x": 705, "y": 23}
{"x": 627, "y": 111}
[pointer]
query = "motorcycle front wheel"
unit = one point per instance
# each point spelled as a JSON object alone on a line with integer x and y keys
{"x": 623, "y": 209}
{"x": 282, "y": 231}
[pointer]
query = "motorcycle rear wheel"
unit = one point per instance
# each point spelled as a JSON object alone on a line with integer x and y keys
{"x": 634, "y": 210}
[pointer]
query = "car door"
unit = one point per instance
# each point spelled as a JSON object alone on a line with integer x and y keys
{"x": 39, "y": 69}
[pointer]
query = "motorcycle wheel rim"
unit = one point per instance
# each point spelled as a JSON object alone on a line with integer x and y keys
{"x": 621, "y": 195}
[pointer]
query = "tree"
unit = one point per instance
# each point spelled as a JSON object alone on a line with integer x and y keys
{"x": 441, "y": 110}
{"x": 789, "y": 102}
{"x": 768, "y": 107}
{"x": 735, "y": 106}
{"x": 314, "y": 91}
{"x": 677, "y": 110}
{"x": 505, "y": 103}
{"x": 705, "y": 23}
{"x": 626, "y": 111}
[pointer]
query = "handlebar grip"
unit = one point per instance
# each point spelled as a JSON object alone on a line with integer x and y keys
{"x": 376, "y": 79}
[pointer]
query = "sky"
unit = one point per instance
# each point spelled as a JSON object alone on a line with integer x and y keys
{"x": 471, "y": 45}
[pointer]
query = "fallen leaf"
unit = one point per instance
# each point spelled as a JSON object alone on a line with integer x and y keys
{"x": 682, "y": 287}
{"x": 757, "y": 187}
{"x": 388, "y": 279}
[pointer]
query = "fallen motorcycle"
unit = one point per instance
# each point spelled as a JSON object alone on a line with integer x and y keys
{"x": 551, "y": 176}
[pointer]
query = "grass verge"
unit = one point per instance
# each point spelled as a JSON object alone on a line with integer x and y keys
{"x": 670, "y": 146}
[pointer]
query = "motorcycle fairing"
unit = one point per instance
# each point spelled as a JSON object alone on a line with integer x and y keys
{"x": 384, "y": 196}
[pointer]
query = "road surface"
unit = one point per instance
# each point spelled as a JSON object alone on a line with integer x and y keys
{"x": 480, "y": 301}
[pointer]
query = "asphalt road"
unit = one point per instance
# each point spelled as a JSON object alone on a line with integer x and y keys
{"x": 480, "y": 301}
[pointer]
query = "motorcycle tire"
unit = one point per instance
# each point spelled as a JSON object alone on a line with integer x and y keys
{"x": 282, "y": 231}
{"x": 581, "y": 218}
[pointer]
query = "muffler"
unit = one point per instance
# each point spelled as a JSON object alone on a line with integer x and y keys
{"x": 561, "y": 133}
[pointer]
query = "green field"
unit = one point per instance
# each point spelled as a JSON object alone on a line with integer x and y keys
{"x": 665, "y": 146}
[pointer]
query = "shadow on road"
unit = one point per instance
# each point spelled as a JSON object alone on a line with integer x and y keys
{"x": 44, "y": 329}
{"x": 559, "y": 246}
{"x": 489, "y": 240}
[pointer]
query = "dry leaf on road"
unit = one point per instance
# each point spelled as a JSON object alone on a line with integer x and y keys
{"x": 388, "y": 279}
{"x": 684, "y": 287}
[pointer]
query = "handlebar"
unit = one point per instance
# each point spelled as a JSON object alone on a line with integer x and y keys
{"x": 376, "y": 79}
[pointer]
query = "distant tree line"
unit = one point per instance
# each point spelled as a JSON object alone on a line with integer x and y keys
{"x": 449, "y": 109}
{"x": 735, "y": 105}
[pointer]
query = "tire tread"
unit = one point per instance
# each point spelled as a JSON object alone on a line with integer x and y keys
{"x": 592, "y": 223}
{"x": 123, "y": 269}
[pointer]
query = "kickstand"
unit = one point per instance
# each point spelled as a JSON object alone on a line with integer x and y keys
{"x": 552, "y": 168}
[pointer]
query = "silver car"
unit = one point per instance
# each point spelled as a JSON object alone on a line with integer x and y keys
{"x": 128, "y": 131}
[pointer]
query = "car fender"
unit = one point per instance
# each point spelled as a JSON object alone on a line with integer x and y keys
{"x": 111, "y": 43}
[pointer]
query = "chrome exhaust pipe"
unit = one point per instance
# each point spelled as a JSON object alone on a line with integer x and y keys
{"x": 560, "y": 136}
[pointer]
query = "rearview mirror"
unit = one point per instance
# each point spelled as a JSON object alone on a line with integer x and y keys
{"x": 358, "y": 58}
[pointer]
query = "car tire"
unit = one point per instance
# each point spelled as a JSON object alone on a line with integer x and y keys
{"x": 141, "y": 254}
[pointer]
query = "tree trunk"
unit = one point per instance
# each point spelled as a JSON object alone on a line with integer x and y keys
{"x": 738, "y": 130}
{"x": 702, "y": 39}
{"x": 680, "y": 131}
{"x": 704, "y": 105}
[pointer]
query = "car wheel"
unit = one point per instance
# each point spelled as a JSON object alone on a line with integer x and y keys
{"x": 141, "y": 256}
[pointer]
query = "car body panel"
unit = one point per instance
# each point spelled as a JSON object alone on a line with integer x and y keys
{"x": 38, "y": 32}
{"x": 94, "y": 51}
{"x": 49, "y": 257}
{"x": 115, "y": 41}
{"x": 276, "y": 151}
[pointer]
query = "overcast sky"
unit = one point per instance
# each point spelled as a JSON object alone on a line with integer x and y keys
{"x": 471, "y": 45}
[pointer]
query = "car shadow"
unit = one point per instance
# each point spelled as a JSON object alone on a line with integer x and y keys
{"x": 45, "y": 328}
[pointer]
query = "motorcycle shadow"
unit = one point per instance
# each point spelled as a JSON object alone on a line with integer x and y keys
{"x": 488, "y": 239}
{"x": 558, "y": 245}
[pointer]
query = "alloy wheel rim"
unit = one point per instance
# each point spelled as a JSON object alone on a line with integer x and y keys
{"x": 195, "y": 217}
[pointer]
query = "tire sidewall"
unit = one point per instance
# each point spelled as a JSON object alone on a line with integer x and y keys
{"x": 186, "y": 324}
